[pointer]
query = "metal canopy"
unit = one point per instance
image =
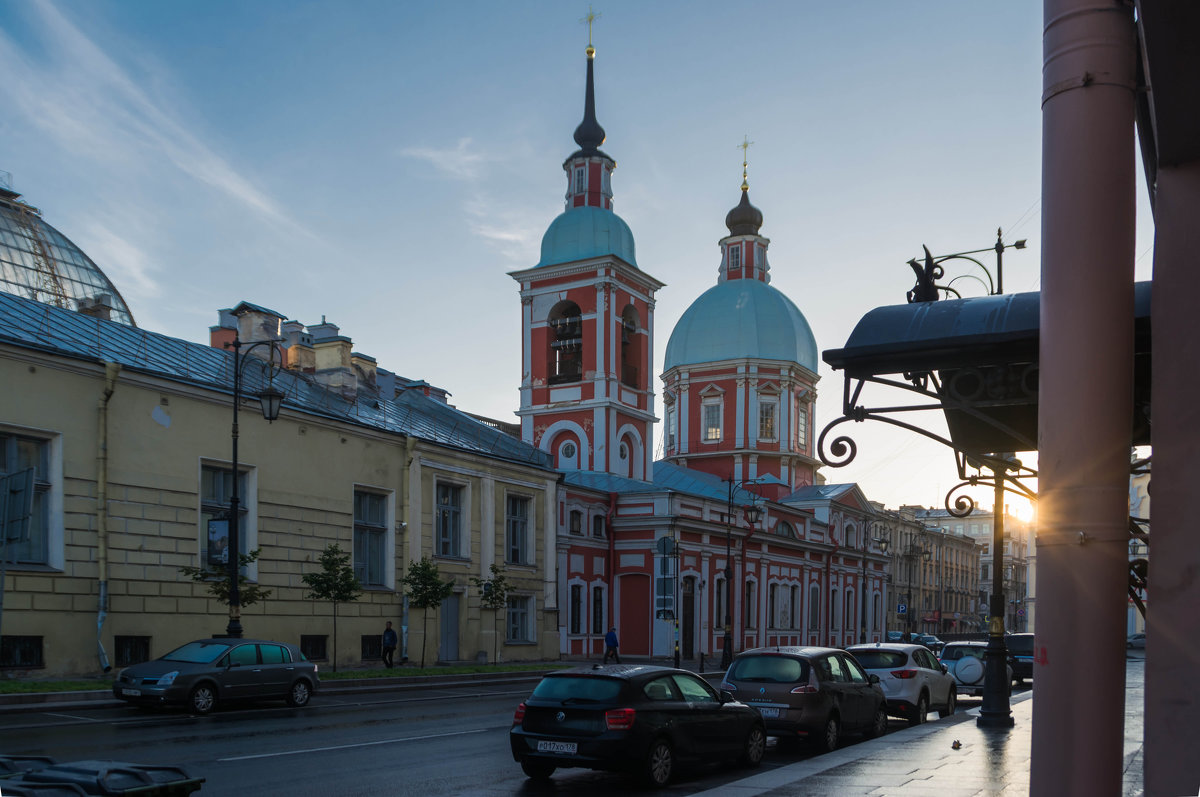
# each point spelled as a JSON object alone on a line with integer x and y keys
{"x": 975, "y": 359}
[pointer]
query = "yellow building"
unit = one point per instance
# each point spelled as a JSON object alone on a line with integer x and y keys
{"x": 129, "y": 435}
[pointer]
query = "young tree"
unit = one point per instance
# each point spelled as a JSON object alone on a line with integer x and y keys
{"x": 218, "y": 581}
{"x": 334, "y": 582}
{"x": 426, "y": 591}
{"x": 493, "y": 594}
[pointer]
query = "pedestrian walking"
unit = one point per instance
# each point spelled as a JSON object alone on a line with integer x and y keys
{"x": 389, "y": 645}
{"x": 611, "y": 645}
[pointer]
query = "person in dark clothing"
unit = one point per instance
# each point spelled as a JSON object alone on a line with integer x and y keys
{"x": 389, "y": 645}
{"x": 611, "y": 645}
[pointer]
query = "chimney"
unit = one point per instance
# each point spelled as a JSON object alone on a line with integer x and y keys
{"x": 98, "y": 306}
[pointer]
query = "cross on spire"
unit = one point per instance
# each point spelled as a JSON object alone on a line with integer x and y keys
{"x": 745, "y": 145}
{"x": 591, "y": 17}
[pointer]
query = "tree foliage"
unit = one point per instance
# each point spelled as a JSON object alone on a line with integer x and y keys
{"x": 218, "y": 581}
{"x": 493, "y": 594}
{"x": 426, "y": 590}
{"x": 334, "y": 582}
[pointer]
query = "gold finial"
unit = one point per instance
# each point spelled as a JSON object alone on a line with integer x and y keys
{"x": 745, "y": 145}
{"x": 591, "y": 17}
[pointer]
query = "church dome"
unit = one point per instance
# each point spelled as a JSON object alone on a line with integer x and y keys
{"x": 738, "y": 319}
{"x": 745, "y": 219}
{"x": 38, "y": 262}
{"x": 586, "y": 232}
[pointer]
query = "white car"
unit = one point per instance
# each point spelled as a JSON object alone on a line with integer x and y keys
{"x": 964, "y": 661}
{"x": 912, "y": 679}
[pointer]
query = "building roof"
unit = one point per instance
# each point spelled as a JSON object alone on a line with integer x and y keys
{"x": 39, "y": 262}
{"x": 33, "y": 325}
{"x": 739, "y": 319}
{"x": 587, "y": 232}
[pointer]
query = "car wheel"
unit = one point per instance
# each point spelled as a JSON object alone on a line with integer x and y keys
{"x": 299, "y": 694}
{"x": 660, "y": 761}
{"x": 202, "y": 699}
{"x": 827, "y": 739}
{"x": 755, "y": 747}
{"x": 879, "y": 724}
{"x": 538, "y": 770}
{"x": 918, "y": 715}
{"x": 951, "y": 704}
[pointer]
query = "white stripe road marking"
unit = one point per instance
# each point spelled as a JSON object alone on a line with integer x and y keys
{"x": 72, "y": 717}
{"x": 360, "y": 744}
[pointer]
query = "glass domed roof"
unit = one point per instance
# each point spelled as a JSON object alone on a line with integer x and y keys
{"x": 738, "y": 319}
{"x": 40, "y": 263}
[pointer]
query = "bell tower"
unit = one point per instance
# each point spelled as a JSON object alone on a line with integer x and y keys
{"x": 587, "y": 321}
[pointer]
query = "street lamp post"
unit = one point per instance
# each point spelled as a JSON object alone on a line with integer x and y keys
{"x": 752, "y": 515}
{"x": 927, "y": 289}
{"x": 270, "y": 399}
{"x": 995, "y": 711}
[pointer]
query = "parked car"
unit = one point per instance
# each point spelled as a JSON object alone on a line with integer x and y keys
{"x": 964, "y": 661}
{"x": 930, "y": 641}
{"x": 638, "y": 719}
{"x": 895, "y": 636}
{"x": 206, "y": 672}
{"x": 1020, "y": 651}
{"x": 815, "y": 694}
{"x": 1135, "y": 641}
{"x": 913, "y": 680}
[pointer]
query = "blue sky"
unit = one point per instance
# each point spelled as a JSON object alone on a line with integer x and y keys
{"x": 385, "y": 164}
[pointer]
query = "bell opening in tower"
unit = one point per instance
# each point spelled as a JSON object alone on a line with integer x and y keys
{"x": 565, "y": 354}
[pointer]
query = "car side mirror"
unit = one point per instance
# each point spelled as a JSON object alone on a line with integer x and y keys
{"x": 945, "y": 670}
{"x": 727, "y": 696}
{"x": 873, "y": 678}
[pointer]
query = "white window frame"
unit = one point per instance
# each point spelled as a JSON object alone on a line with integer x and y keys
{"x": 518, "y": 620}
{"x": 378, "y": 573}
{"x": 768, "y": 412}
{"x": 247, "y": 505}
{"x": 580, "y": 179}
{"x": 48, "y": 494}
{"x": 444, "y": 513}
{"x": 712, "y": 433}
{"x": 802, "y": 427}
{"x": 734, "y": 255}
{"x": 516, "y": 529}
{"x": 670, "y": 428}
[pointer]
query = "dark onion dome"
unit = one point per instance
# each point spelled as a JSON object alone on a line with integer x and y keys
{"x": 589, "y": 135}
{"x": 745, "y": 219}
{"x": 38, "y": 262}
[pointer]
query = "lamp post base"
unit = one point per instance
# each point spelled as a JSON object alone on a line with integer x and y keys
{"x": 995, "y": 711}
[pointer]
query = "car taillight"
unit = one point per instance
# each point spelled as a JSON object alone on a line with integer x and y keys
{"x": 619, "y": 719}
{"x": 904, "y": 674}
{"x": 805, "y": 689}
{"x": 519, "y": 714}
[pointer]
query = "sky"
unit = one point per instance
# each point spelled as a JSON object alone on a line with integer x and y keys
{"x": 385, "y": 165}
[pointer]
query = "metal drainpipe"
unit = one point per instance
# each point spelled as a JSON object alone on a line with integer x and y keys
{"x": 111, "y": 370}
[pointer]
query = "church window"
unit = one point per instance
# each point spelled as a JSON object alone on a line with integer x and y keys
{"x": 735, "y": 257}
{"x": 568, "y": 458}
{"x": 760, "y": 257}
{"x": 576, "y": 522}
{"x": 566, "y": 343}
{"x": 711, "y": 420}
{"x": 579, "y": 179}
{"x": 598, "y": 526}
{"x": 670, "y": 430}
{"x": 766, "y": 420}
{"x": 801, "y": 427}
{"x": 630, "y": 347}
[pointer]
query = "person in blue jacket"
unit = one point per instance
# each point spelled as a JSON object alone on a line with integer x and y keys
{"x": 389, "y": 645}
{"x": 611, "y": 645}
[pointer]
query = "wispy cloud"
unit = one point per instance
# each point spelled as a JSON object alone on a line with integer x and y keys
{"x": 513, "y": 231}
{"x": 92, "y": 107}
{"x": 459, "y": 162}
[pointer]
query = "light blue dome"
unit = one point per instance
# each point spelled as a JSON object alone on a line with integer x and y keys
{"x": 742, "y": 318}
{"x": 586, "y": 232}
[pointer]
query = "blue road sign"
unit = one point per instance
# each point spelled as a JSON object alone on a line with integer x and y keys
{"x": 902, "y": 608}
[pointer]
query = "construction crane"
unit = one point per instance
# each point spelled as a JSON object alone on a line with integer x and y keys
{"x": 49, "y": 288}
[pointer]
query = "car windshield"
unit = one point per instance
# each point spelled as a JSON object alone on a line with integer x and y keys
{"x": 769, "y": 669}
{"x": 880, "y": 659}
{"x": 583, "y": 689}
{"x": 198, "y": 652}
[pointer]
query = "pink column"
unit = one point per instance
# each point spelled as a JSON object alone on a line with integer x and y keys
{"x": 1173, "y": 617}
{"x": 1086, "y": 403}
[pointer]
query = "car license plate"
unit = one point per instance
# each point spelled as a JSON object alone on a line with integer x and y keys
{"x": 131, "y": 692}
{"x": 557, "y": 747}
{"x": 769, "y": 712}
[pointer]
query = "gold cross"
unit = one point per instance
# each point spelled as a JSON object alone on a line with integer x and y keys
{"x": 591, "y": 17}
{"x": 745, "y": 145}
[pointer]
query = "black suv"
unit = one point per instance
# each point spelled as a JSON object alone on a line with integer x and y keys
{"x": 1020, "y": 651}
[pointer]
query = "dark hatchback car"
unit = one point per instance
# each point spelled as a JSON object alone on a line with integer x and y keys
{"x": 637, "y": 719}
{"x": 816, "y": 694}
{"x": 203, "y": 673}
{"x": 1020, "y": 651}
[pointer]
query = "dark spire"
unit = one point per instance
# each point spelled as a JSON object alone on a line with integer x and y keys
{"x": 745, "y": 219}
{"x": 589, "y": 135}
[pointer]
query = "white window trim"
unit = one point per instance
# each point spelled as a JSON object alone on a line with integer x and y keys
{"x": 773, "y": 403}
{"x": 531, "y": 619}
{"x": 249, "y": 500}
{"x": 528, "y": 552}
{"x": 55, "y": 520}
{"x": 464, "y": 518}
{"x": 734, "y": 253}
{"x": 704, "y": 427}
{"x": 389, "y": 536}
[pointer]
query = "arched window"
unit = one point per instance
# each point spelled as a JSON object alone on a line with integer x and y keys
{"x": 565, "y": 356}
{"x": 851, "y": 536}
{"x": 851, "y": 615}
{"x": 814, "y": 608}
{"x": 568, "y": 455}
{"x": 631, "y": 349}
{"x": 784, "y": 529}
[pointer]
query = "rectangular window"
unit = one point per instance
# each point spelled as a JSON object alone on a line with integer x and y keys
{"x": 576, "y": 609}
{"x": 21, "y": 652}
{"x": 722, "y": 615}
{"x": 597, "y": 610}
{"x": 735, "y": 257}
{"x": 711, "y": 420}
{"x": 579, "y": 180}
{"x": 516, "y": 529}
{"x": 983, "y": 574}
{"x": 795, "y": 607}
{"x": 576, "y": 519}
{"x": 449, "y": 520}
{"x": 772, "y": 605}
{"x": 802, "y": 427}
{"x": 751, "y": 609}
{"x": 766, "y": 420}
{"x": 130, "y": 650}
{"x": 598, "y": 526}
{"x": 670, "y": 430}
{"x": 520, "y": 622}
{"x": 313, "y": 646}
{"x": 17, "y": 453}
{"x": 370, "y": 538}
{"x": 372, "y": 647}
{"x": 216, "y": 491}
{"x": 760, "y": 256}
